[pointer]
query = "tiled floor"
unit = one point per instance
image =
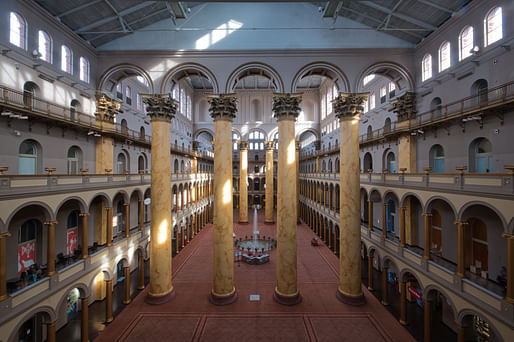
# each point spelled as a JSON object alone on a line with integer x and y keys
{"x": 190, "y": 316}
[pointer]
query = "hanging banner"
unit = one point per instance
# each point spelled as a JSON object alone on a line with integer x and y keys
{"x": 26, "y": 256}
{"x": 71, "y": 240}
{"x": 414, "y": 292}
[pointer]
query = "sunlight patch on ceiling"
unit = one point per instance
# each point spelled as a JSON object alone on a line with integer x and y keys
{"x": 218, "y": 34}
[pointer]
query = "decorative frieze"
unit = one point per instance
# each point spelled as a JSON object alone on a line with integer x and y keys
{"x": 286, "y": 106}
{"x": 348, "y": 106}
{"x": 106, "y": 108}
{"x": 222, "y": 106}
{"x": 405, "y": 106}
{"x": 160, "y": 106}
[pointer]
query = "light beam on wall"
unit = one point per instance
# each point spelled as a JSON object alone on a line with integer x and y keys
{"x": 217, "y": 34}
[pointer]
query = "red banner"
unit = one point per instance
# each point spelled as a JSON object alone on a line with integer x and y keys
{"x": 71, "y": 241}
{"x": 414, "y": 293}
{"x": 26, "y": 256}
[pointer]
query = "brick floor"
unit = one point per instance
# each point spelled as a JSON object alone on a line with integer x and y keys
{"x": 190, "y": 316}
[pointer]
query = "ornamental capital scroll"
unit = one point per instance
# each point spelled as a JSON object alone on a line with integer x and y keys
{"x": 160, "y": 106}
{"x": 404, "y": 106}
{"x": 243, "y": 145}
{"x": 106, "y": 108}
{"x": 349, "y": 106}
{"x": 222, "y": 106}
{"x": 269, "y": 145}
{"x": 286, "y": 106}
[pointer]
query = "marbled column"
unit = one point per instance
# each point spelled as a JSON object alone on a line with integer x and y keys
{"x": 106, "y": 111}
{"x": 460, "y": 333}
{"x": 108, "y": 222}
{"x": 84, "y": 317}
{"x": 50, "y": 331}
{"x": 108, "y": 301}
{"x": 223, "y": 110}
{"x": 51, "y": 248}
{"x": 269, "y": 217}
{"x": 127, "y": 219}
{"x": 427, "y": 227}
{"x": 85, "y": 239}
{"x": 141, "y": 215}
{"x": 286, "y": 108}
{"x": 370, "y": 273}
{"x": 509, "y": 297}
{"x": 384, "y": 220}
{"x": 161, "y": 109}
{"x": 176, "y": 242}
{"x": 460, "y": 248}
{"x": 347, "y": 108}
{"x": 243, "y": 179}
{"x": 297, "y": 158}
{"x": 427, "y": 327}
{"x": 403, "y": 303}
{"x": 370, "y": 215}
{"x": 384, "y": 300}
{"x": 126, "y": 270}
{"x": 3, "y": 266}
{"x": 141, "y": 272}
{"x": 182, "y": 236}
{"x": 402, "y": 227}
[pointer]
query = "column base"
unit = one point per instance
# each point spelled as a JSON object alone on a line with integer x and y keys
{"x": 126, "y": 302}
{"x": 269, "y": 222}
{"x": 287, "y": 300}
{"x": 223, "y": 300}
{"x": 384, "y": 303}
{"x": 242, "y": 222}
{"x": 370, "y": 288}
{"x": 402, "y": 322}
{"x": 351, "y": 300}
{"x": 109, "y": 321}
{"x": 158, "y": 300}
{"x": 140, "y": 288}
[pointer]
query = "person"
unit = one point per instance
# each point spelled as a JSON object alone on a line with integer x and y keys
{"x": 314, "y": 241}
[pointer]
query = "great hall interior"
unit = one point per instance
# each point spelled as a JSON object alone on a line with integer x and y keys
{"x": 256, "y": 170}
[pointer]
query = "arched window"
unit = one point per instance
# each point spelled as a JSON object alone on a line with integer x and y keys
{"x": 426, "y": 67}
{"x": 175, "y": 166}
{"x": 74, "y": 106}
{"x": 383, "y": 93}
{"x": 182, "y": 102}
{"x": 121, "y": 163}
{"x": 372, "y": 101}
{"x": 30, "y": 91}
{"x": 465, "y": 43}
{"x": 435, "y": 107}
{"x": 128, "y": 95}
{"x": 235, "y": 139}
{"x": 84, "y": 70}
{"x": 28, "y": 158}
{"x": 189, "y": 107}
{"x": 329, "y": 101}
{"x": 493, "y": 26}
{"x": 479, "y": 91}
{"x": 444, "y": 56}
{"x": 256, "y": 139}
{"x": 182, "y": 166}
{"x": 436, "y": 158}
{"x": 392, "y": 89}
{"x": 387, "y": 125}
{"x": 74, "y": 160}
{"x": 142, "y": 133}
{"x": 66, "y": 59}
{"x": 323, "y": 107}
{"x": 391, "y": 162}
{"x": 124, "y": 126}
{"x": 17, "y": 30}
{"x": 119, "y": 89}
{"x": 44, "y": 46}
{"x": 141, "y": 164}
{"x": 368, "y": 162}
{"x": 370, "y": 132}
{"x": 482, "y": 156}
{"x": 275, "y": 139}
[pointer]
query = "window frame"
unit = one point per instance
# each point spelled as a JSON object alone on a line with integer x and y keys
{"x": 47, "y": 47}
{"x": 487, "y": 31}
{"x": 66, "y": 59}
{"x": 446, "y": 45}
{"x": 84, "y": 71}
{"x": 22, "y": 31}
{"x": 465, "y": 50}
{"x": 426, "y": 67}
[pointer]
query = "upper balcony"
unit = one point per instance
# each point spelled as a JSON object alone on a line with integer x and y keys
{"x": 24, "y": 104}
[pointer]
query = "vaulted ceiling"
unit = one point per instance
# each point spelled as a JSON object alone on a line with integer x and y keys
{"x": 102, "y": 21}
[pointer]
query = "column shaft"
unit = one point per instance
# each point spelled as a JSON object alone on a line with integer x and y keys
{"x": 460, "y": 249}
{"x": 127, "y": 219}
{"x": 223, "y": 290}
{"x": 176, "y": 242}
{"x": 108, "y": 221}
{"x": 286, "y": 291}
{"x": 85, "y": 242}
{"x": 141, "y": 215}
{"x": 384, "y": 286}
{"x": 51, "y": 248}
{"x": 126, "y": 271}
{"x": 384, "y": 220}
{"x": 161, "y": 287}
{"x": 269, "y": 209}
{"x": 84, "y": 330}
{"x": 50, "y": 332}
{"x": 460, "y": 333}
{"x": 141, "y": 272}
{"x": 427, "y": 329}
{"x": 510, "y": 268}
{"x": 349, "y": 290}
{"x": 427, "y": 227}
{"x": 402, "y": 227}
{"x": 182, "y": 236}
{"x": 3, "y": 266}
{"x": 403, "y": 303}
{"x": 297, "y": 199}
{"x": 108, "y": 301}
{"x": 243, "y": 179}
{"x": 370, "y": 215}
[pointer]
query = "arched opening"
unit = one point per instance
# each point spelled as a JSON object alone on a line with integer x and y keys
{"x": 436, "y": 158}
{"x": 74, "y": 160}
{"x": 390, "y": 162}
{"x": 121, "y": 163}
{"x": 368, "y": 162}
{"x": 74, "y": 108}
{"x": 30, "y": 94}
{"x": 481, "y": 156}
{"x": 29, "y": 158}
{"x": 387, "y": 125}
{"x": 476, "y": 328}
{"x": 479, "y": 90}
{"x": 124, "y": 126}
{"x": 436, "y": 107}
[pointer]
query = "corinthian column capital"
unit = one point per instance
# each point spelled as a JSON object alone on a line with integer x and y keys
{"x": 348, "y": 106}
{"x": 222, "y": 106}
{"x": 286, "y": 106}
{"x": 269, "y": 145}
{"x": 160, "y": 106}
{"x": 243, "y": 145}
{"x": 106, "y": 108}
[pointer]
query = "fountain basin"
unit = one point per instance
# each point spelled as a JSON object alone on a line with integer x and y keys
{"x": 256, "y": 244}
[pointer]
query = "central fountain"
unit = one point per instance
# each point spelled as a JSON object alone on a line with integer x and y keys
{"x": 255, "y": 246}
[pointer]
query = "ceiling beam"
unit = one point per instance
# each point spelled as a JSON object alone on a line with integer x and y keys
{"x": 434, "y": 5}
{"x": 109, "y": 19}
{"x": 407, "y": 18}
{"x": 78, "y": 8}
{"x": 123, "y": 23}
{"x": 331, "y": 9}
